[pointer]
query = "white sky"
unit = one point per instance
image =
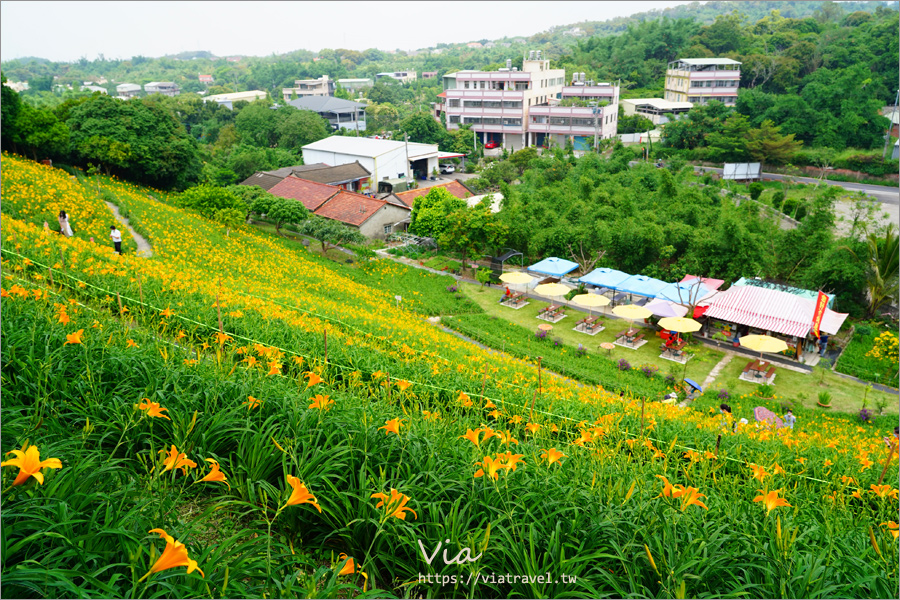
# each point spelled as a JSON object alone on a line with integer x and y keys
{"x": 66, "y": 31}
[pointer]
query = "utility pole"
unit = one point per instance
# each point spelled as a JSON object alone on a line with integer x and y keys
{"x": 406, "y": 144}
{"x": 887, "y": 135}
{"x": 595, "y": 109}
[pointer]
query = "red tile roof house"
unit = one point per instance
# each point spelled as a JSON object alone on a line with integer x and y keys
{"x": 371, "y": 217}
{"x": 454, "y": 187}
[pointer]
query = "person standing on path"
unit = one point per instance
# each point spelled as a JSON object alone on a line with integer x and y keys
{"x": 64, "y": 227}
{"x": 116, "y": 236}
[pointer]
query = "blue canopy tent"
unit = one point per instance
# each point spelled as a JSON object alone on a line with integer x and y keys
{"x": 555, "y": 267}
{"x": 642, "y": 285}
{"x": 690, "y": 293}
{"x": 607, "y": 278}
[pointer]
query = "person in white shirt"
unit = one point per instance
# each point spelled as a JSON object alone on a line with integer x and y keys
{"x": 116, "y": 236}
{"x": 64, "y": 227}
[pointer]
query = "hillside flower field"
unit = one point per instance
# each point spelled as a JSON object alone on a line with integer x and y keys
{"x": 235, "y": 417}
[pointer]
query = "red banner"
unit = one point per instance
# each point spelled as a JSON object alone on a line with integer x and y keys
{"x": 821, "y": 305}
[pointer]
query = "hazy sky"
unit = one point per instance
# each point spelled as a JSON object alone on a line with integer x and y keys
{"x": 66, "y": 31}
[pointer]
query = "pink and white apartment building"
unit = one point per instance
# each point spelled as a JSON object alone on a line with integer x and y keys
{"x": 699, "y": 80}
{"x": 517, "y": 109}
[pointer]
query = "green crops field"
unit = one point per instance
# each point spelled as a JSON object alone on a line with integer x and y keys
{"x": 235, "y": 417}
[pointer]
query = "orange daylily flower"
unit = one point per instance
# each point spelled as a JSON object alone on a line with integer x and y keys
{"x": 168, "y": 312}
{"x": 177, "y": 460}
{"x": 472, "y": 436}
{"x": 28, "y": 459}
{"x": 392, "y": 425}
{"x": 759, "y": 472}
{"x": 63, "y": 317}
{"x": 496, "y": 414}
{"x": 490, "y": 404}
{"x": 777, "y": 470}
{"x": 691, "y": 495}
{"x": 403, "y": 385}
{"x": 313, "y": 379}
{"x": 251, "y": 403}
{"x": 506, "y": 438}
{"x": 131, "y": 344}
{"x": 251, "y": 361}
{"x": 321, "y": 402}
{"x": 433, "y": 416}
{"x": 395, "y": 505}
{"x": 883, "y": 491}
{"x": 667, "y": 488}
{"x": 532, "y": 427}
{"x": 827, "y": 463}
{"x": 350, "y": 567}
{"x": 770, "y": 500}
{"x": 153, "y": 409}
{"x": 74, "y": 338}
{"x": 515, "y": 420}
{"x": 491, "y": 466}
{"x": 215, "y": 474}
{"x": 300, "y": 495}
{"x": 893, "y": 527}
{"x": 865, "y": 462}
{"x": 463, "y": 398}
{"x": 221, "y": 337}
{"x": 552, "y": 455}
{"x": 175, "y": 555}
{"x": 510, "y": 460}
{"x": 275, "y": 368}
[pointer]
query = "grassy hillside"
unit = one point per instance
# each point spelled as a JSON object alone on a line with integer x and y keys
{"x": 272, "y": 453}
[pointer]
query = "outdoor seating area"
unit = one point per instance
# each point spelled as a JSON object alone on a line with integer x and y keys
{"x": 515, "y": 300}
{"x": 675, "y": 353}
{"x": 630, "y": 338}
{"x": 552, "y": 313}
{"x": 589, "y": 325}
{"x": 758, "y": 371}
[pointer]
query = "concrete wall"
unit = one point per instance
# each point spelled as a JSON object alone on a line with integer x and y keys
{"x": 388, "y": 215}
{"x": 389, "y": 164}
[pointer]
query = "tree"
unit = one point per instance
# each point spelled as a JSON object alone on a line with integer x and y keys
{"x": 882, "y": 255}
{"x": 209, "y": 201}
{"x": 422, "y": 128}
{"x": 284, "y": 211}
{"x": 429, "y": 212}
{"x": 729, "y": 145}
{"x": 329, "y": 233}
{"x": 767, "y": 145}
{"x": 255, "y": 199}
{"x": 40, "y": 131}
{"x": 472, "y": 230}
{"x": 522, "y": 158}
{"x": 340, "y": 92}
{"x": 10, "y": 106}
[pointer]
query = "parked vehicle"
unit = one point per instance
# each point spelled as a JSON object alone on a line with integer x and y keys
{"x": 491, "y": 145}
{"x": 447, "y": 169}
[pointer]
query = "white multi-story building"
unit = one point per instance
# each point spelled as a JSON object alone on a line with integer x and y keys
{"x": 323, "y": 86}
{"x": 166, "y": 88}
{"x": 127, "y": 90}
{"x": 401, "y": 76}
{"x": 516, "y": 109}
{"x": 699, "y": 80}
{"x": 655, "y": 109}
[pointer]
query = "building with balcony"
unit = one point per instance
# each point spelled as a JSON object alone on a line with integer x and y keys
{"x": 166, "y": 88}
{"x": 207, "y": 79}
{"x": 699, "y": 80}
{"x": 655, "y": 109}
{"x": 429, "y": 74}
{"x": 354, "y": 85}
{"x": 323, "y": 86}
{"x": 496, "y": 103}
{"x": 401, "y": 76}
{"x": 531, "y": 107}
{"x": 127, "y": 90}
{"x": 341, "y": 114}
{"x": 228, "y": 100}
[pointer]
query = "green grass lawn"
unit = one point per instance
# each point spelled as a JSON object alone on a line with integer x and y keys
{"x": 697, "y": 368}
{"x": 846, "y": 395}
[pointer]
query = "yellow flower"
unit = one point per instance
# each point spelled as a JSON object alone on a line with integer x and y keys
{"x": 472, "y": 436}
{"x": 759, "y": 472}
{"x": 275, "y": 368}
{"x": 313, "y": 379}
{"x": 321, "y": 402}
{"x": 395, "y": 505}
{"x": 175, "y": 555}
{"x": 300, "y": 495}
{"x": 221, "y": 338}
{"x": 532, "y": 427}
{"x": 883, "y": 491}
{"x": 510, "y": 460}
{"x": 392, "y": 425}
{"x": 168, "y": 312}
{"x": 515, "y": 420}
{"x": 496, "y": 414}
{"x": 552, "y": 455}
{"x": 506, "y": 438}
{"x": 403, "y": 385}
{"x": 131, "y": 344}
{"x": 215, "y": 474}
{"x": 74, "y": 338}
{"x": 770, "y": 500}
{"x": 153, "y": 409}
{"x": 30, "y": 464}
{"x": 893, "y": 527}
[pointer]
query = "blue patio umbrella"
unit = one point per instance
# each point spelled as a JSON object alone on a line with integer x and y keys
{"x": 555, "y": 267}
{"x": 693, "y": 384}
{"x": 684, "y": 293}
{"x": 642, "y": 285}
{"x": 608, "y": 278}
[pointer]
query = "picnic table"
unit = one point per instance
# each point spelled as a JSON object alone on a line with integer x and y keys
{"x": 674, "y": 349}
{"x": 631, "y": 336}
{"x": 759, "y": 369}
{"x": 512, "y": 299}
{"x": 587, "y": 323}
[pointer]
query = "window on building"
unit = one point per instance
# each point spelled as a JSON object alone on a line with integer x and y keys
{"x": 559, "y": 120}
{"x": 454, "y": 103}
{"x": 521, "y": 86}
{"x": 454, "y": 119}
{"x": 491, "y": 104}
{"x": 472, "y": 104}
{"x": 538, "y": 119}
{"x": 512, "y": 104}
{"x": 513, "y": 121}
{"x": 583, "y": 122}
{"x": 465, "y": 85}
{"x": 472, "y": 120}
{"x": 490, "y": 121}
{"x": 388, "y": 229}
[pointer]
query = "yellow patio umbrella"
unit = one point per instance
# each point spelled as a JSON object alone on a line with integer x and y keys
{"x": 631, "y": 312}
{"x": 591, "y": 301}
{"x": 552, "y": 289}
{"x": 763, "y": 343}
{"x": 680, "y": 324}
{"x": 516, "y": 278}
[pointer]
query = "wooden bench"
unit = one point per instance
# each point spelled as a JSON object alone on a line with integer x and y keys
{"x": 637, "y": 339}
{"x": 769, "y": 373}
{"x": 749, "y": 367}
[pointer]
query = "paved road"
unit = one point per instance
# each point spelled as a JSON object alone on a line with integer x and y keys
{"x": 882, "y": 193}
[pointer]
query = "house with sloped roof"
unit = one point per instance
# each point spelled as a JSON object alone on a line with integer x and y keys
{"x": 352, "y": 177}
{"x": 372, "y": 217}
{"x": 454, "y": 187}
